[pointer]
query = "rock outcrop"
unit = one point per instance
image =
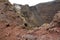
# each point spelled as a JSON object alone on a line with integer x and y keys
{"x": 16, "y": 19}
{"x": 38, "y": 14}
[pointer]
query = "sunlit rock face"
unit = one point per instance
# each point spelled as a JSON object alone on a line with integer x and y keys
{"x": 17, "y": 6}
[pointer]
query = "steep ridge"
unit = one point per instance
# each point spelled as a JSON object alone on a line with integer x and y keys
{"x": 38, "y": 14}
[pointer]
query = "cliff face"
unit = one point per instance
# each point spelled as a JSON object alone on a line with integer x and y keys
{"x": 46, "y": 11}
{"x": 40, "y": 13}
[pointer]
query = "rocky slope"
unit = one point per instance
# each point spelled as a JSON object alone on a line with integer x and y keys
{"x": 13, "y": 23}
{"x": 38, "y": 14}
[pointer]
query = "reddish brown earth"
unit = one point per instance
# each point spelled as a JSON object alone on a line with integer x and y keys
{"x": 11, "y": 27}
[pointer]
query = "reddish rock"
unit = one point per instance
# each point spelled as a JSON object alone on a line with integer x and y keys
{"x": 12, "y": 27}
